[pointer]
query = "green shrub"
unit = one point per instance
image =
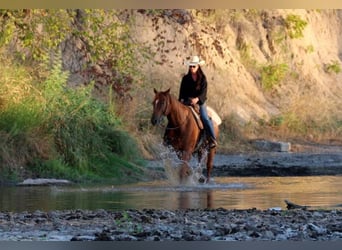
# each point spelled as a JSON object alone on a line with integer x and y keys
{"x": 294, "y": 26}
{"x": 50, "y": 130}
{"x": 86, "y": 131}
{"x": 276, "y": 121}
{"x": 273, "y": 74}
{"x": 310, "y": 49}
{"x": 333, "y": 67}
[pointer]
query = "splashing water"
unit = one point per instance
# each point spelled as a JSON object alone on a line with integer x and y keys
{"x": 172, "y": 164}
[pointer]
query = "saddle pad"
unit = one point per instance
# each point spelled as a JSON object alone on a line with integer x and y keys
{"x": 214, "y": 116}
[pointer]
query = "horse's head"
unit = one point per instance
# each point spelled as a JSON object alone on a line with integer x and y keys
{"x": 160, "y": 105}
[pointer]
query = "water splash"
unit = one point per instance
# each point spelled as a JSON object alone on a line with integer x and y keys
{"x": 172, "y": 163}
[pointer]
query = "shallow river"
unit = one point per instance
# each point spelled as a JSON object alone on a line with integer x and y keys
{"x": 226, "y": 192}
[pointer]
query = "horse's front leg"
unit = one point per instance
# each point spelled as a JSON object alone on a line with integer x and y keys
{"x": 185, "y": 170}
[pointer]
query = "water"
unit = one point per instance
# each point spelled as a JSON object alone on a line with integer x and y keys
{"x": 225, "y": 192}
{"x": 323, "y": 192}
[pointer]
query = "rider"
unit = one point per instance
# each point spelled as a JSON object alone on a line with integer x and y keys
{"x": 193, "y": 90}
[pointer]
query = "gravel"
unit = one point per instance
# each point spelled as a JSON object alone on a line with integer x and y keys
{"x": 173, "y": 225}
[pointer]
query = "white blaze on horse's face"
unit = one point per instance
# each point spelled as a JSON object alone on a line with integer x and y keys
{"x": 157, "y": 112}
{"x": 160, "y": 106}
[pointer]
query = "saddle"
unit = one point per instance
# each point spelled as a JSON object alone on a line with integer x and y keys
{"x": 195, "y": 111}
{"x": 202, "y": 138}
{"x": 211, "y": 114}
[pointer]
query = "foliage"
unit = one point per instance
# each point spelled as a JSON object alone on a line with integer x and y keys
{"x": 276, "y": 121}
{"x": 246, "y": 57}
{"x": 32, "y": 34}
{"x": 50, "y": 130}
{"x": 310, "y": 49}
{"x": 273, "y": 74}
{"x": 34, "y": 31}
{"x": 294, "y": 26}
{"x": 85, "y": 129}
{"x": 333, "y": 67}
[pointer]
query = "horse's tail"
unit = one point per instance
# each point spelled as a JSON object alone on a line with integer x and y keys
{"x": 214, "y": 116}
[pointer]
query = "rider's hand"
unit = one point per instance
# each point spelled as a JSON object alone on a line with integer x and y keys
{"x": 194, "y": 100}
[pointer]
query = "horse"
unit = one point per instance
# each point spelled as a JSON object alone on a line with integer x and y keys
{"x": 186, "y": 137}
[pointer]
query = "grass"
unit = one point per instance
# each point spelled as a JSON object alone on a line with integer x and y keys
{"x": 298, "y": 123}
{"x": 50, "y": 130}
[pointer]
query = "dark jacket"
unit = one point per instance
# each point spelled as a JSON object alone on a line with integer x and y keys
{"x": 189, "y": 89}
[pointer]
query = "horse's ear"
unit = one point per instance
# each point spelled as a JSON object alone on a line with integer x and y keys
{"x": 167, "y": 91}
{"x": 155, "y": 91}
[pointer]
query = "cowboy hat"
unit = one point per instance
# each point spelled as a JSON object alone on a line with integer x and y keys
{"x": 195, "y": 60}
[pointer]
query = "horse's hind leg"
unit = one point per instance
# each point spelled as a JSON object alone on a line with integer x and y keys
{"x": 211, "y": 155}
{"x": 200, "y": 157}
{"x": 210, "y": 163}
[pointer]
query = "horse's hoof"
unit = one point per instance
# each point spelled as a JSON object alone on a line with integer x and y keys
{"x": 202, "y": 179}
{"x": 185, "y": 171}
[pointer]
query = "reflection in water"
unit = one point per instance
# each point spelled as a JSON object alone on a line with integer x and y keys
{"x": 225, "y": 192}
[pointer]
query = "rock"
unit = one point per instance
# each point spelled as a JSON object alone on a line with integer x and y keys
{"x": 317, "y": 229}
{"x": 275, "y": 209}
{"x": 272, "y": 146}
{"x": 44, "y": 182}
{"x": 103, "y": 236}
{"x": 291, "y": 205}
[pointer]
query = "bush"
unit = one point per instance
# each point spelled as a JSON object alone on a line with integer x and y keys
{"x": 333, "y": 67}
{"x": 295, "y": 26}
{"x": 273, "y": 74}
{"x": 50, "y": 130}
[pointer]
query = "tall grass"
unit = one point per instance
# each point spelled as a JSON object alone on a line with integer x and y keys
{"x": 307, "y": 118}
{"x": 50, "y": 130}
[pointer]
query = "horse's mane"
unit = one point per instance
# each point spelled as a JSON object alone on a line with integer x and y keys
{"x": 179, "y": 110}
{"x": 180, "y": 107}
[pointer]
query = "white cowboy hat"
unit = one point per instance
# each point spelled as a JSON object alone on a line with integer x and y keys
{"x": 195, "y": 60}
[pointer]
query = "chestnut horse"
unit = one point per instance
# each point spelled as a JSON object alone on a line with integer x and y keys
{"x": 186, "y": 136}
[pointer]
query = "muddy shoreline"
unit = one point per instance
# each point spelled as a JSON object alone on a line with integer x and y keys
{"x": 278, "y": 164}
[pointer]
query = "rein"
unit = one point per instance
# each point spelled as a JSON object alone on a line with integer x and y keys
{"x": 183, "y": 122}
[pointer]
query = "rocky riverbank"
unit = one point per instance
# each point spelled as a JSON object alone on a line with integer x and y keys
{"x": 196, "y": 224}
{"x": 177, "y": 225}
{"x": 278, "y": 164}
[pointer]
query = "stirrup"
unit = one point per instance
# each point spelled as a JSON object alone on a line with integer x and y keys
{"x": 212, "y": 143}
